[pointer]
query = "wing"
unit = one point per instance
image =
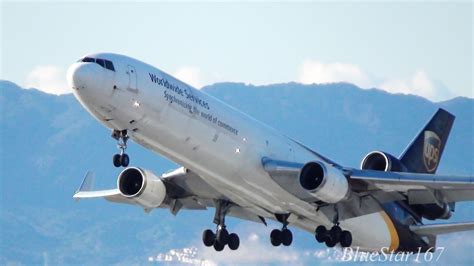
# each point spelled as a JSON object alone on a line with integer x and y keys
{"x": 385, "y": 186}
{"x": 370, "y": 188}
{"x": 418, "y": 188}
{"x": 185, "y": 190}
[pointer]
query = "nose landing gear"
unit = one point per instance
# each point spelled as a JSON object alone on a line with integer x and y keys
{"x": 122, "y": 158}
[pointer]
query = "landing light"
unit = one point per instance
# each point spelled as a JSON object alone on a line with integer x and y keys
{"x": 136, "y": 104}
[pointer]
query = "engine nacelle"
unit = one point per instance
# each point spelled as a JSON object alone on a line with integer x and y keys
{"x": 325, "y": 183}
{"x": 142, "y": 186}
{"x": 434, "y": 211}
{"x": 381, "y": 161}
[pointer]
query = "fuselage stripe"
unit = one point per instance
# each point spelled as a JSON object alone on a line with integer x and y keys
{"x": 394, "y": 240}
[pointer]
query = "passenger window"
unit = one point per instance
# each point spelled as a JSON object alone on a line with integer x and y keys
{"x": 100, "y": 62}
{"x": 88, "y": 59}
{"x": 109, "y": 65}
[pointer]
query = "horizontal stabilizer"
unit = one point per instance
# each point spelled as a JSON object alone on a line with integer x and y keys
{"x": 85, "y": 191}
{"x": 438, "y": 229}
{"x": 96, "y": 194}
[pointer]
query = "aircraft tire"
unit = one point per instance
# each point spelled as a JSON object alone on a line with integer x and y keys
{"x": 218, "y": 246}
{"x": 330, "y": 242}
{"x": 208, "y": 238}
{"x": 116, "y": 160}
{"x": 321, "y": 233}
{"x": 286, "y": 237}
{"x": 346, "y": 239}
{"x": 233, "y": 241}
{"x": 124, "y": 160}
{"x": 275, "y": 237}
{"x": 335, "y": 233}
{"x": 222, "y": 236}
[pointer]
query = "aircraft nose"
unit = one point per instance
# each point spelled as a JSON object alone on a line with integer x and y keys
{"x": 81, "y": 76}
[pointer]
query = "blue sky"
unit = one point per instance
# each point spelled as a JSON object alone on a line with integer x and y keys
{"x": 420, "y": 48}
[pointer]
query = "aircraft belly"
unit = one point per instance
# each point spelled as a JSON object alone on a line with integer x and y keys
{"x": 370, "y": 232}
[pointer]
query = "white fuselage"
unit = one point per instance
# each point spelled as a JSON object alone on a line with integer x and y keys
{"x": 216, "y": 141}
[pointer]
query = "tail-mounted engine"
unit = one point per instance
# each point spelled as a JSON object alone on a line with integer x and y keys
{"x": 142, "y": 186}
{"x": 381, "y": 161}
{"x": 325, "y": 183}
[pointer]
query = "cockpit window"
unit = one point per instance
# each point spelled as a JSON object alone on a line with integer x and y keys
{"x": 109, "y": 65}
{"x": 101, "y": 62}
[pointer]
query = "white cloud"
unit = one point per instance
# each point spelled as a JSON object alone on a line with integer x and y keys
{"x": 418, "y": 84}
{"x": 254, "y": 249}
{"x": 319, "y": 72}
{"x": 48, "y": 78}
{"x": 189, "y": 74}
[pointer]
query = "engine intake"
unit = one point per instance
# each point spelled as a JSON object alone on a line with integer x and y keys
{"x": 142, "y": 186}
{"x": 381, "y": 161}
{"x": 325, "y": 183}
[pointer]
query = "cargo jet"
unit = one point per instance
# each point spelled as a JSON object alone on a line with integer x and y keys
{"x": 244, "y": 168}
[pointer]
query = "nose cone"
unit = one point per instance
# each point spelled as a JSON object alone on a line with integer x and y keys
{"x": 80, "y": 76}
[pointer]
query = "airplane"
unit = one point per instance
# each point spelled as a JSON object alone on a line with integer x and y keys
{"x": 245, "y": 169}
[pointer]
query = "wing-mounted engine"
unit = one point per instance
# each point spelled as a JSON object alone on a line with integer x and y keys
{"x": 327, "y": 184}
{"x": 434, "y": 211}
{"x": 382, "y": 161}
{"x": 142, "y": 187}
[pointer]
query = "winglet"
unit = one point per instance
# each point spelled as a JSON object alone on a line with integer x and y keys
{"x": 87, "y": 182}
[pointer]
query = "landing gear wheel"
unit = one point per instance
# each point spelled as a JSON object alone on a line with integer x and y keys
{"x": 286, "y": 237}
{"x": 346, "y": 239}
{"x": 335, "y": 233}
{"x": 116, "y": 160}
{"x": 208, "y": 238}
{"x": 233, "y": 241}
{"x": 124, "y": 160}
{"x": 218, "y": 246}
{"x": 321, "y": 233}
{"x": 275, "y": 237}
{"x": 222, "y": 236}
{"x": 330, "y": 242}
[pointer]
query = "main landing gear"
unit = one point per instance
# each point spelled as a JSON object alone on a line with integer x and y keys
{"x": 122, "y": 158}
{"x": 221, "y": 237}
{"x": 333, "y": 236}
{"x": 283, "y": 236}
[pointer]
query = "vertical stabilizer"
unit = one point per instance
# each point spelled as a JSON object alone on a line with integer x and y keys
{"x": 424, "y": 152}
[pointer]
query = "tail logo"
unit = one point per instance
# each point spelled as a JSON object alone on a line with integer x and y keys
{"x": 431, "y": 149}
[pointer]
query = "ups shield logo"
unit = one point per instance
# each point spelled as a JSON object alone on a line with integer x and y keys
{"x": 431, "y": 149}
